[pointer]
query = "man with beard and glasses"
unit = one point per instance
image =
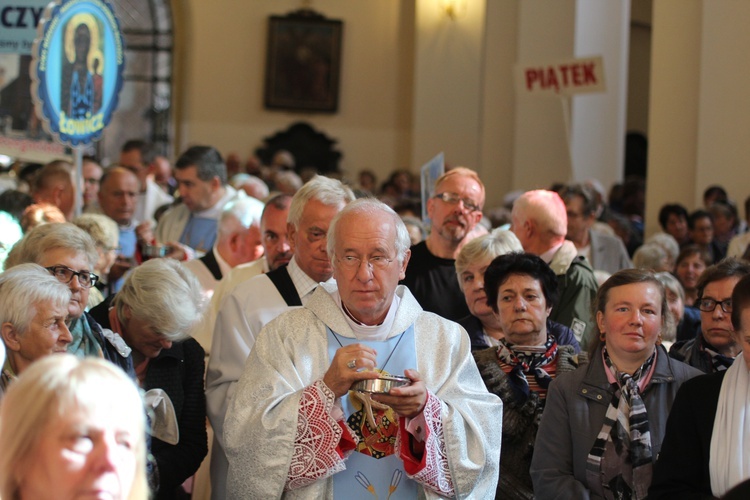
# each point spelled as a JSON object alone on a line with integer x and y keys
{"x": 454, "y": 210}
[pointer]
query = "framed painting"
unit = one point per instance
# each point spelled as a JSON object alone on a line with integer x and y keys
{"x": 303, "y": 62}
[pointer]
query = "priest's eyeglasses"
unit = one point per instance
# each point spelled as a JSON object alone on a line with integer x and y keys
{"x": 708, "y": 305}
{"x": 352, "y": 263}
{"x": 65, "y": 275}
{"x": 453, "y": 199}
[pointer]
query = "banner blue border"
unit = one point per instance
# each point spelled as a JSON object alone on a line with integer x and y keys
{"x": 77, "y": 67}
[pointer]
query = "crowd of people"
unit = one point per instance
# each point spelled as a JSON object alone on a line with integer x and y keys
{"x": 218, "y": 330}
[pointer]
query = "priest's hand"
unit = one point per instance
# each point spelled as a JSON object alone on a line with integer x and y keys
{"x": 407, "y": 401}
{"x": 350, "y": 364}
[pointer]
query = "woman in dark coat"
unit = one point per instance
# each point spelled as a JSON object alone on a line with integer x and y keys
{"x": 706, "y": 451}
{"x": 521, "y": 289}
{"x": 155, "y": 312}
{"x": 604, "y": 423}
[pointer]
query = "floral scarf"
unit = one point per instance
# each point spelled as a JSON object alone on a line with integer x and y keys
{"x": 525, "y": 362}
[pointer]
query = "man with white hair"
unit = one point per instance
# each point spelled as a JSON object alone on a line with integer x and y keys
{"x": 238, "y": 242}
{"x": 540, "y": 221}
{"x": 255, "y": 302}
{"x": 437, "y": 435}
{"x": 276, "y": 253}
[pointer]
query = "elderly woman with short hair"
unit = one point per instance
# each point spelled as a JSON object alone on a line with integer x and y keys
{"x": 155, "y": 311}
{"x": 482, "y": 324}
{"x": 33, "y": 309}
{"x": 69, "y": 254}
{"x": 472, "y": 261}
{"x": 717, "y": 346}
{"x": 687, "y": 320}
{"x": 603, "y": 424}
{"x": 105, "y": 234}
{"x": 71, "y": 428}
{"x": 521, "y": 289}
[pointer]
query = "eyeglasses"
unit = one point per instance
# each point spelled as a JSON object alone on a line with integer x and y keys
{"x": 453, "y": 199}
{"x": 65, "y": 275}
{"x": 351, "y": 263}
{"x": 708, "y": 305}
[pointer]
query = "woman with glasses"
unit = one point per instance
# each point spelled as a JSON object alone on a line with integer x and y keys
{"x": 70, "y": 255}
{"x": 717, "y": 346}
{"x": 706, "y": 451}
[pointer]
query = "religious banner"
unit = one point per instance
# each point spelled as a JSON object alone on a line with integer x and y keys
{"x": 567, "y": 77}
{"x": 78, "y": 60}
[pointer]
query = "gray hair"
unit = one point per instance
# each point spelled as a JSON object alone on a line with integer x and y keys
{"x": 47, "y": 237}
{"x": 165, "y": 294}
{"x": 259, "y": 186}
{"x": 239, "y": 215}
{"x": 101, "y": 228}
{"x": 288, "y": 182}
{"x": 370, "y": 206}
{"x": 498, "y": 242}
{"x": 324, "y": 189}
{"x": 207, "y": 161}
{"x": 671, "y": 284}
{"x": 651, "y": 256}
{"x": 668, "y": 243}
{"x": 25, "y": 286}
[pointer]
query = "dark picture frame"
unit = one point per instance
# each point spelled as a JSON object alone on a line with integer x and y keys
{"x": 303, "y": 62}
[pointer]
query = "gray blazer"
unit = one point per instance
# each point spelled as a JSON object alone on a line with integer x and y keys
{"x": 608, "y": 253}
{"x": 574, "y": 415}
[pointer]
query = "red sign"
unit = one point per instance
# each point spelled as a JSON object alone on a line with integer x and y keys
{"x": 568, "y": 77}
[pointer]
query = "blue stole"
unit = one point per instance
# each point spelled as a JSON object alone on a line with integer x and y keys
{"x": 128, "y": 241}
{"x": 374, "y": 470}
{"x": 200, "y": 233}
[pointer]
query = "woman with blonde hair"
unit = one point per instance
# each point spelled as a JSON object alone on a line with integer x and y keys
{"x": 70, "y": 428}
{"x": 472, "y": 261}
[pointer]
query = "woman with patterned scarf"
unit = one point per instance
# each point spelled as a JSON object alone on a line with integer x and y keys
{"x": 706, "y": 449}
{"x": 604, "y": 423}
{"x": 521, "y": 289}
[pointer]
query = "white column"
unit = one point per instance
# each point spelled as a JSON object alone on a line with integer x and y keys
{"x": 543, "y": 150}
